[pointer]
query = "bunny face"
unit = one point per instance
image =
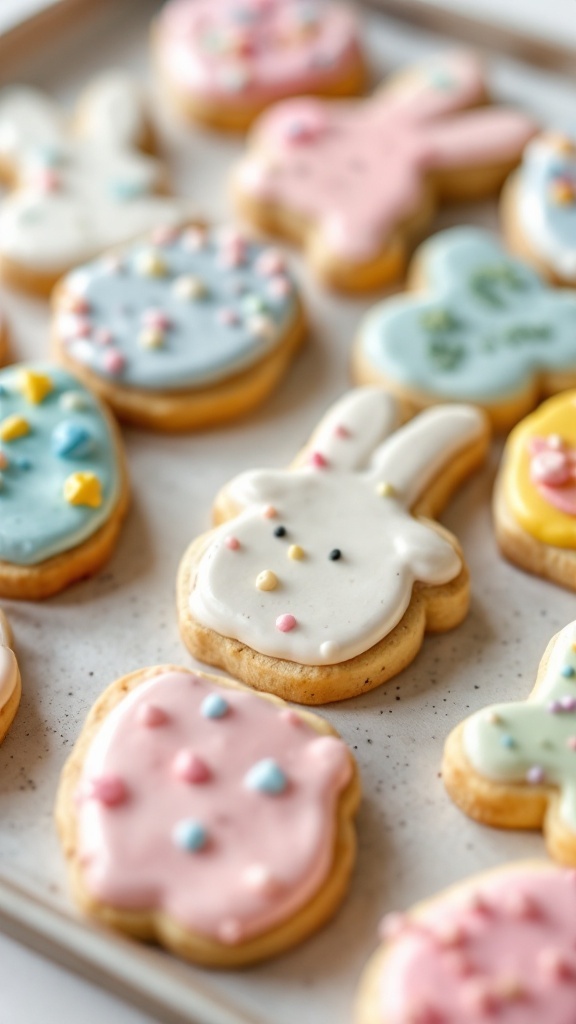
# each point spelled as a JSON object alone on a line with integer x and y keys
{"x": 355, "y": 172}
{"x": 545, "y": 203}
{"x": 320, "y": 564}
{"x": 77, "y": 193}
{"x": 486, "y": 328}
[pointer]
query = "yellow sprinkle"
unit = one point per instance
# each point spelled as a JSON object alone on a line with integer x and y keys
{"x": 151, "y": 264}
{"x": 296, "y": 552}
{"x": 153, "y": 337}
{"x": 562, "y": 193}
{"x": 266, "y": 580}
{"x": 35, "y": 386}
{"x": 83, "y": 489}
{"x": 561, "y": 144}
{"x": 386, "y": 490}
{"x": 13, "y": 427}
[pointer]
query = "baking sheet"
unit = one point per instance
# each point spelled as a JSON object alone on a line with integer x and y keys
{"x": 412, "y": 840}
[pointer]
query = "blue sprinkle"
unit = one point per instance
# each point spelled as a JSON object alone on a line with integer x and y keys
{"x": 21, "y": 461}
{"x": 266, "y": 776}
{"x": 124, "y": 190}
{"x": 214, "y": 706}
{"x": 190, "y": 835}
{"x": 508, "y": 741}
{"x": 72, "y": 440}
{"x": 567, "y": 671}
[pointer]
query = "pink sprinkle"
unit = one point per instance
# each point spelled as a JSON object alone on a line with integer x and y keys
{"x": 523, "y": 906}
{"x": 151, "y": 716}
{"x": 164, "y": 235}
{"x": 550, "y": 467}
{"x": 285, "y": 623}
{"x": 571, "y": 742}
{"x": 188, "y": 767}
{"x": 194, "y": 239}
{"x": 108, "y": 790}
{"x": 270, "y": 263}
{"x": 290, "y": 717}
{"x": 307, "y": 129}
{"x": 228, "y": 317}
{"x": 46, "y": 181}
{"x": 78, "y": 327}
{"x": 232, "y": 543}
{"x": 478, "y": 997}
{"x": 232, "y": 257}
{"x": 318, "y": 460}
{"x": 230, "y": 237}
{"x": 102, "y": 336}
{"x": 76, "y": 303}
{"x": 555, "y": 964}
{"x": 156, "y": 319}
{"x": 113, "y": 361}
{"x": 112, "y": 263}
{"x": 279, "y": 287}
{"x": 392, "y": 926}
{"x": 341, "y": 431}
{"x": 230, "y": 932}
{"x": 259, "y": 879}
{"x": 270, "y": 512}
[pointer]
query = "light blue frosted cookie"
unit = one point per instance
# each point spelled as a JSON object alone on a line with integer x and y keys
{"x": 180, "y": 316}
{"x": 486, "y": 329}
{"x": 61, "y": 479}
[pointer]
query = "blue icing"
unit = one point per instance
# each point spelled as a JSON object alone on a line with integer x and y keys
{"x": 484, "y": 326}
{"x": 36, "y": 521}
{"x": 198, "y": 348}
{"x": 549, "y": 224}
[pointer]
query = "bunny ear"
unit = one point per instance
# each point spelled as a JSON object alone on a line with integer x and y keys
{"x": 350, "y": 431}
{"x": 113, "y": 110}
{"x": 421, "y": 449}
{"x": 491, "y": 135}
{"x": 442, "y": 85}
{"x": 28, "y": 121}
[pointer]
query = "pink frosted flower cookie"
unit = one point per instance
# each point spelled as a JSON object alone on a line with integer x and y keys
{"x": 500, "y": 946}
{"x": 224, "y": 61}
{"x": 352, "y": 182}
{"x": 323, "y": 578}
{"x": 213, "y": 820}
{"x": 10, "y": 683}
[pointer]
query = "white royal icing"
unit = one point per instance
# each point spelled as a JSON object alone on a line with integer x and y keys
{"x": 81, "y": 191}
{"x": 342, "y": 607}
{"x": 549, "y": 226}
{"x": 8, "y": 663}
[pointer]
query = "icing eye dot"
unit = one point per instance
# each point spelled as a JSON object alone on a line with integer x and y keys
{"x": 214, "y": 706}
{"x": 190, "y": 835}
{"x": 71, "y": 440}
{"x": 296, "y": 552}
{"x": 266, "y": 776}
{"x": 108, "y": 790}
{"x": 266, "y": 580}
{"x": 285, "y": 623}
{"x": 335, "y": 555}
{"x": 188, "y": 767}
{"x": 280, "y": 531}
{"x": 151, "y": 716}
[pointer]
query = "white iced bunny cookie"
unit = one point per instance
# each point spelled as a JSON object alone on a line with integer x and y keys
{"x": 79, "y": 187}
{"x": 323, "y": 584}
{"x": 10, "y": 684}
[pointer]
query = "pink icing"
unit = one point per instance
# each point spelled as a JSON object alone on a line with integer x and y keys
{"x": 504, "y": 951}
{"x": 358, "y": 169}
{"x": 249, "y": 51}
{"x": 266, "y": 854}
{"x": 553, "y": 472}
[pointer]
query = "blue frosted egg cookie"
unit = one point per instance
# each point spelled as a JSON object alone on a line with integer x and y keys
{"x": 192, "y": 327}
{"x": 63, "y": 481}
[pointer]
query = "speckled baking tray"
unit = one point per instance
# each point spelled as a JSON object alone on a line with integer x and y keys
{"x": 413, "y": 841}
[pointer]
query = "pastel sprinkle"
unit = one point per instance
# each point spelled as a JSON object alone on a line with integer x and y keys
{"x": 214, "y": 706}
{"x": 190, "y": 835}
{"x": 571, "y": 742}
{"x": 567, "y": 671}
{"x": 259, "y": 879}
{"x": 113, "y": 361}
{"x": 341, "y": 431}
{"x": 230, "y": 932}
{"x": 386, "y": 490}
{"x": 266, "y": 580}
{"x": 150, "y": 263}
{"x": 156, "y": 318}
{"x": 75, "y": 303}
{"x": 13, "y": 427}
{"x": 535, "y": 775}
{"x": 188, "y": 767}
{"x": 279, "y": 287}
{"x": 296, "y": 552}
{"x": 125, "y": 189}
{"x": 262, "y": 328}
{"x": 253, "y": 304}
{"x": 151, "y": 716}
{"x": 270, "y": 512}
{"x": 266, "y": 776}
{"x": 35, "y": 386}
{"x": 493, "y": 718}
{"x": 194, "y": 239}
{"x": 165, "y": 234}
{"x": 228, "y": 317}
{"x": 554, "y": 964}
{"x": 189, "y": 287}
{"x": 232, "y": 543}
{"x": 567, "y": 703}
{"x": 73, "y": 401}
{"x": 83, "y": 489}
{"x": 102, "y": 336}
{"x": 71, "y": 440}
{"x": 151, "y": 337}
{"x": 270, "y": 263}
{"x": 318, "y": 460}
{"x": 285, "y": 623}
{"x": 108, "y": 790}
{"x": 508, "y": 741}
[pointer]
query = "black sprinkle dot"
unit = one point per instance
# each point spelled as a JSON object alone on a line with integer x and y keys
{"x": 335, "y": 554}
{"x": 280, "y": 531}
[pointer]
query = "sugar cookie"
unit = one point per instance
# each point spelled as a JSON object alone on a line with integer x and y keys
{"x": 224, "y": 61}
{"x": 193, "y": 327}
{"x": 211, "y": 819}
{"x": 535, "y": 492}
{"x": 322, "y": 579}
{"x": 10, "y": 683}
{"x": 482, "y": 328}
{"x": 498, "y": 946}
{"x": 353, "y": 182}
{"x": 514, "y": 765}
{"x": 63, "y": 481}
{"x": 77, "y": 189}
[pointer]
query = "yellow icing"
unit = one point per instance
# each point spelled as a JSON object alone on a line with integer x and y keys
{"x": 35, "y": 386}
{"x": 529, "y": 508}
{"x": 13, "y": 427}
{"x": 83, "y": 489}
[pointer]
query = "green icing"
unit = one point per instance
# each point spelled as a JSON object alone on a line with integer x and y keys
{"x": 535, "y": 740}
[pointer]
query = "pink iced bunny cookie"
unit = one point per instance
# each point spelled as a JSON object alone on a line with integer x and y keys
{"x": 216, "y": 821}
{"x": 498, "y": 947}
{"x": 78, "y": 188}
{"x": 224, "y": 61}
{"x": 553, "y": 471}
{"x": 352, "y": 181}
{"x": 321, "y": 584}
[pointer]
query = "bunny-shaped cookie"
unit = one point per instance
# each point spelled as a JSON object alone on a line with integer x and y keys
{"x": 323, "y": 584}
{"x": 351, "y": 181}
{"x": 78, "y": 190}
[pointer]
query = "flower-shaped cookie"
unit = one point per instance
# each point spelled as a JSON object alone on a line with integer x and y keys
{"x": 322, "y": 584}
{"x": 216, "y": 821}
{"x": 224, "y": 61}
{"x": 514, "y": 764}
{"x": 486, "y": 329}
{"x": 63, "y": 483}
{"x": 77, "y": 189}
{"x": 192, "y": 327}
{"x": 10, "y": 683}
{"x": 535, "y": 493}
{"x": 351, "y": 181}
{"x": 539, "y": 207}
{"x": 500, "y": 946}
